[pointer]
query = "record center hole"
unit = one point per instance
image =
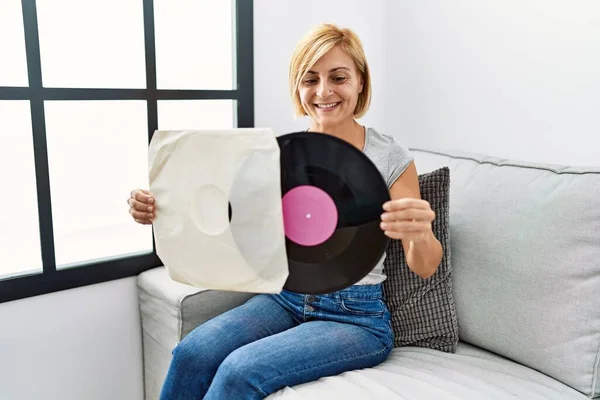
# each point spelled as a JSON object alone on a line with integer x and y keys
{"x": 210, "y": 210}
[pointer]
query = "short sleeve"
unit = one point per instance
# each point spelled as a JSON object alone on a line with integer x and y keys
{"x": 399, "y": 158}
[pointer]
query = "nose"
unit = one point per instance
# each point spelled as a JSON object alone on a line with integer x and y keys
{"x": 323, "y": 90}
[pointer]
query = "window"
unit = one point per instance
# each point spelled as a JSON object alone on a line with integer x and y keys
{"x": 80, "y": 97}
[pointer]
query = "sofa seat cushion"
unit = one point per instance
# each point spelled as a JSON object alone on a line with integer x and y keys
{"x": 416, "y": 373}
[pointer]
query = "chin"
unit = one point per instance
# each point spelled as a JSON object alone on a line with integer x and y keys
{"x": 327, "y": 122}
{"x": 333, "y": 120}
{"x": 324, "y": 117}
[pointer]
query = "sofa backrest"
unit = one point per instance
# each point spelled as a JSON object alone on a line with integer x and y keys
{"x": 525, "y": 244}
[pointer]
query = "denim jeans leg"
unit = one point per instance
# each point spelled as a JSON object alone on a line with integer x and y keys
{"x": 198, "y": 356}
{"x": 318, "y": 348}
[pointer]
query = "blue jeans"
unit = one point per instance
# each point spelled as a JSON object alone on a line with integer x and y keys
{"x": 273, "y": 341}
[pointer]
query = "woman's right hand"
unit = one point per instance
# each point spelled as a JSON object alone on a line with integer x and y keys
{"x": 141, "y": 206}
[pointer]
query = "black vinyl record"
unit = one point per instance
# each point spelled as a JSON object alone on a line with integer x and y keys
{"x": 332, "y": 201}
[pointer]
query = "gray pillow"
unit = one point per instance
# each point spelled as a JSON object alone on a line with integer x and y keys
{"x": 423, "y": 311}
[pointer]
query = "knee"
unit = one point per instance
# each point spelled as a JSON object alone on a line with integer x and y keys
{"x": 188, "y": 376}
{"x": 194, "y": 355}
{"x": 236, "y": 366}
{"x": 239, "y": 372}
{"x": 185, "y": 355}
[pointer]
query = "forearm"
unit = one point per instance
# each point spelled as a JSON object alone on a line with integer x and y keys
{"x": 424, "y": 257}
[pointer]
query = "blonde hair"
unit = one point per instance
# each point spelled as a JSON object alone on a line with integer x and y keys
{"x": 314, "y": 45}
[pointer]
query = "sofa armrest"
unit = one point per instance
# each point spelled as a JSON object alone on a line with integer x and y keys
{"x": 169, "y": 311}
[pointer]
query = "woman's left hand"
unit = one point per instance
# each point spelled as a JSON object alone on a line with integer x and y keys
{"x": 407, "y": 219}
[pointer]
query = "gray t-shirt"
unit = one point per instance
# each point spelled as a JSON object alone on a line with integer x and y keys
{"x": 391, "y": 159}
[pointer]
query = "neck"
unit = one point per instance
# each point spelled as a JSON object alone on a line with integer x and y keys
{"x": 347, "y": 130}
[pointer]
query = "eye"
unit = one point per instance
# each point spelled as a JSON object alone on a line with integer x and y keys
{"x": 339, "y": 79}
{"x": 309, "y": 81}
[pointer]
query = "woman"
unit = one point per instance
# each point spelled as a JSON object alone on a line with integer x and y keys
{"x": 273, "y": 341}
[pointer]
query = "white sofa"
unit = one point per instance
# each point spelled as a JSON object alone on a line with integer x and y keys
{"x": 525, "y": 245}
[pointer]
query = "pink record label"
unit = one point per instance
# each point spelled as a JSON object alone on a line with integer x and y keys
{"x": 309, "y": 215}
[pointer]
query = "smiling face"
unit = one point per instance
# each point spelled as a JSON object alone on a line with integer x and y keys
{"x": 329, "y": 91}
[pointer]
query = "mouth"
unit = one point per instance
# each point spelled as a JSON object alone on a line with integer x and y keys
{"x": 327, "y": 106}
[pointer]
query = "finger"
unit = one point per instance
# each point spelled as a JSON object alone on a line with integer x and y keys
{"x": 404, "y": 235}
{"x": 140, "y": 214}
{"x": 142, "y": 196}
{"x": 150, "y": 196}
{"x": 139, "y": 206}
{"x": 399, "y": 204}
{"x": 409, "y": 214}
{"x": 406, "y": 226}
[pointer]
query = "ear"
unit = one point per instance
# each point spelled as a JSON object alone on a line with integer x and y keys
{"x": 360, "y": 88}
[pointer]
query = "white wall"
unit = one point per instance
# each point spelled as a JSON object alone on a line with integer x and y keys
{"x": 279, "y": 25}
{"x": 76, "y": 344}
{"x": 516, "y": 78}
{"x": 512, "y": 78}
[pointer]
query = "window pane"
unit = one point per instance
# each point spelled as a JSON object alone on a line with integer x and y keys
{"x": 196, "y": 114}
{"x": 19, "y": 222}
{"x": 100, "y": 44}
{"x": 194, "y": 44}
{"x": 97, "y": 153}
{"x": 13, "y": 67}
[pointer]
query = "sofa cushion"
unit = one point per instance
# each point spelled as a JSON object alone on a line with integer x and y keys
{"x": 169, "y": 311}
{"x": 422, "y": 310}
{"x": 416, "y": 373}
{"x": 526, "y": 261}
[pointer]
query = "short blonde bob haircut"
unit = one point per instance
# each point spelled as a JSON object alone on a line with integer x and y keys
{"x": 315, "y": 45}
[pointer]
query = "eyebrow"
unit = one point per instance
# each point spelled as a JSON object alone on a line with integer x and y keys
{"x": 331, "y": 70}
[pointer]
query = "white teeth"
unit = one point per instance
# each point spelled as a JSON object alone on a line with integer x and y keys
{"x": 330, "y": 105}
